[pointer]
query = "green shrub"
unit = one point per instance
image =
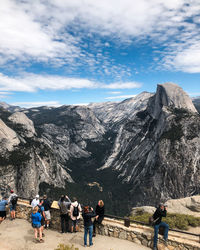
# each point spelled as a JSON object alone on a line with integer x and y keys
{"x": 180, "y": 221}
{"x": 65, "y": 247}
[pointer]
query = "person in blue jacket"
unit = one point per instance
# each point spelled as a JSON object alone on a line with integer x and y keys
{"x": 36, "y": 223}
{"x": 3, "y": 203}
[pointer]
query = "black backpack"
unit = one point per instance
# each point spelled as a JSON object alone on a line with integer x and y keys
{"x": 76, "y": 211}
{"x": 14, "y": 200}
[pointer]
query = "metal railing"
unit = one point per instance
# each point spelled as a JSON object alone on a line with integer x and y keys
{"x": 127, "y": 222}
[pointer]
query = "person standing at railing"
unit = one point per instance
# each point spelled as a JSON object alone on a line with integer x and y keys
{"x": 35, "y": 202}
{"x": 64, "y": 204}
{"x": 12, "y": 200}
{"x": 3, "y": 203}
{"x": 100, "y": 210}
{"x": 160, "y": 212}
{"x": 88, "y": 213}
{"x": 75, "y": 210}
{"x": 36, "y": 223}
{"x": 47, "y": 207}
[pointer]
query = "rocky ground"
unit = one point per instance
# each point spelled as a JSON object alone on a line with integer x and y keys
{"x": 19, "y": 235}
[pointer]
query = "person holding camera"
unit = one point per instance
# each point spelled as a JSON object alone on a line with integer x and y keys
{"x": 88, "y": 213}
{"x": 160, "y": 212}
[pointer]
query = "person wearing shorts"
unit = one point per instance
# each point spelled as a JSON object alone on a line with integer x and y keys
{"x": 12, "y": 200}
{"x": 43, "y": 217}
{"x": 75, "y": 218}
{"x": 36, "y": 223}
{"x": 47, "y": 206}
{"x": 3, "y": 203}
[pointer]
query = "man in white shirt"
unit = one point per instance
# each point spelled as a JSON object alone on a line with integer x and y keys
{"x": 35, "y": 201}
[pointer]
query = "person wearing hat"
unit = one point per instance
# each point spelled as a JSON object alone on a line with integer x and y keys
{"x": 12, "y": 200}
{"x": 35, "y": 202}
{"x": 3, "y": 203}
{"x": 160, "y": 212}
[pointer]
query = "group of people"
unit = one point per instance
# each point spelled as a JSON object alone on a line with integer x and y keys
{"x": 12, "y": 202}
{"x": 70, "y": 213}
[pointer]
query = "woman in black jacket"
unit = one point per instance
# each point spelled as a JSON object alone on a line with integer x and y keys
{"x": 100, "y": 210}
{"x": 88, "y": 226}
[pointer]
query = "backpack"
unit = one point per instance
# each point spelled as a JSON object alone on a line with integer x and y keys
{"x": 75, "y": 211}
{"x": 14, "y": 200}
{"x": 152, "y": 222}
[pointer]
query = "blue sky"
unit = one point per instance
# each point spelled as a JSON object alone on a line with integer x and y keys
{"x": 57, "y": 52}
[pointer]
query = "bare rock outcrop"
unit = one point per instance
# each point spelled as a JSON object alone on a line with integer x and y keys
{"x": 27, "y": 125}
{"x": 8, "y": 137}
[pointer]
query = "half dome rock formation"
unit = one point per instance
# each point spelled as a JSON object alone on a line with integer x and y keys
{"x": 140, "y": 151}
{"x": 171, "y": 95}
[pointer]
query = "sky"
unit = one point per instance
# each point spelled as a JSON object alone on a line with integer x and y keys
{"x": 63, "y": 52}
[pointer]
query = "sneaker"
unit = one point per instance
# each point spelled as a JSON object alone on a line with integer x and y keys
{"x": 91, "y": 244}
{"x": 155, "y": 248}
{"x": 85, "y": 245}
{"x": 165, "y": 242}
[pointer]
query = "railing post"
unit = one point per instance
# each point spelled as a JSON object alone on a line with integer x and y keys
{"x": 126, "y": 222}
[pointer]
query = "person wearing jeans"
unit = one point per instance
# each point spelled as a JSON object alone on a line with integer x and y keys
{"x": 159, "y": 213}
{"x": 88, "y": 225}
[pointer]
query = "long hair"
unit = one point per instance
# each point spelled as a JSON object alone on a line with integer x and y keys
{"x": 101, "y": 203}
{"x": 35, "y": 209}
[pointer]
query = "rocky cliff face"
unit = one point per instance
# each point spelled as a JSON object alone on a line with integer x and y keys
{"x": 136, "y": 152}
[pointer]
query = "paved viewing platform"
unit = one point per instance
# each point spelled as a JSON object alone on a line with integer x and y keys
{"x": 111, "y": 235}
{"x": 19, "y": 235}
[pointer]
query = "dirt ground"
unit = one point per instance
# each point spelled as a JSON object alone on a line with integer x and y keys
{"x": 19, "y": 235}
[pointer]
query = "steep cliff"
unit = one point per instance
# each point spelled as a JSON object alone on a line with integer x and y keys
{"x": 136, "y": 152}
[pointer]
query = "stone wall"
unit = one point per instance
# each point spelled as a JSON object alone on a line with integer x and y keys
{"x": 138, "y": 234}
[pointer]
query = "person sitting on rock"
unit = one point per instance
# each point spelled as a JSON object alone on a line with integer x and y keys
{"x": 160, "y": 212}
{"x": 3, "y": 203}
{"x": 12, "y": 200}
{"x": 100, "y": 210}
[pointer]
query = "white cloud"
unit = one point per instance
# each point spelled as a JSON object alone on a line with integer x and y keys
{"x": 39, "y": 31}
{"x": 114, "y": 92}
{"x": 122, "y": 85}
{"x": 119, "y": 97}
{"x": 36, "y": 104}
{"x": 33, "y": 82}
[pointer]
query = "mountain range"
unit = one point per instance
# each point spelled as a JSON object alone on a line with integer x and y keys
{"x": 137, "y": 152}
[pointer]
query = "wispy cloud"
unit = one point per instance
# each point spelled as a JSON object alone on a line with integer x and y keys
{"x": 36, "y": 104}
{"x": 114, "y": 92}
{"x": 33, "y": 82}
{"x": 119, "y": 97}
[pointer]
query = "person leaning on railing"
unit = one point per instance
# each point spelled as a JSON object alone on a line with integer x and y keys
{"x": 100, "y": 210}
